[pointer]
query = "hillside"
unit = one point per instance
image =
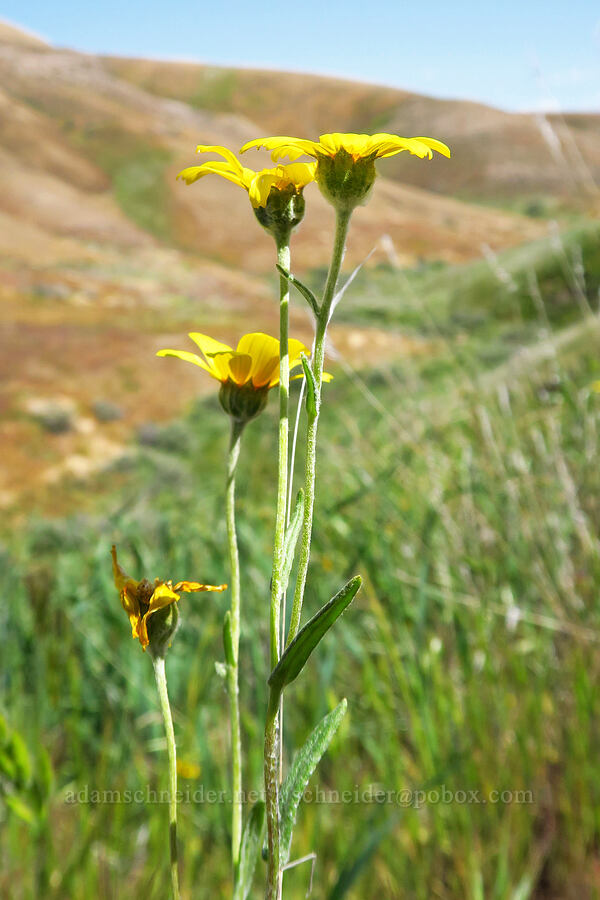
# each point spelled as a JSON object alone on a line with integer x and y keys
{"x": 105, "y": 257}
{"x": 497, "y": 156}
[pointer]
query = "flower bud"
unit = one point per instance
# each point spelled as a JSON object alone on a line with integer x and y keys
{"x": 243, "y": 402}
{"x": 345, "y": 182}
{"x": 162, "y": 626}
{"x": 283, "y": 210}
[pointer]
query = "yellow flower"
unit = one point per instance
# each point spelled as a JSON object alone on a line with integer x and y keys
{"x": 188, "y": 769}
{"x": 346, "y": 162}
{"x": 358, "y": 146}
{"x": 255, "y": 362}
{"x": 247, "y": 373}
{"x": 258, "y": 184}
{"x": 140, "y": 599}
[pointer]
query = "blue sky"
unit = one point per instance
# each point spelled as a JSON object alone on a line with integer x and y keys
{"x": 527, "y": 55}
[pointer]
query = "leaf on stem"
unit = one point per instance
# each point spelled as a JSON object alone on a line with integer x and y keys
{"x": 305, "y": 763}
{"x": 292, "y": 662}
{"x": 305, "y": 291}
{"x": 252, "y": 839}
{"x": 291, "y": 539}
{"x": 311, "y": 387}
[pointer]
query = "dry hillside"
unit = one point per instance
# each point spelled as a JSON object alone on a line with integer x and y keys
{"x": 104, "y": 257}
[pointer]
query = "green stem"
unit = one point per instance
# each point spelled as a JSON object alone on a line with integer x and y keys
{"x": 271, "y": 771}
{"x": 283, "y": 259}
{"x": 161, "y": 683}
{"x": 233, "y": 667}
{"x": 273, "y": 746}
{"x": 310, "y": 472}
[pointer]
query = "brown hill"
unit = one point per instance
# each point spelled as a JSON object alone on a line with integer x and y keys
{"x": 497, "y": 156}
{"x": 105, "y": 258}
{"x": 85, "y": 149}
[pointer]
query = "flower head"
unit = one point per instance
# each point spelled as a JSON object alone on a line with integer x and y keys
{"x": 246, "y": 374}
{"x": 275, "y": 194}
{"x": 345, "y": 162}
{"x": 140, "y": 599}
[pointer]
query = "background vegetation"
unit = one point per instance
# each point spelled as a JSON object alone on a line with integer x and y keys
{"x": 463, "y": 483}
{"x": 458, "y": 474}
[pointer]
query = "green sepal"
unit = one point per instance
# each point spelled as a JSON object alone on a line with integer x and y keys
{"x": 252, "y": 840}
{"x": 291, "y": 539}
{"x": 305, "y": 763}
{"x": 305, "y": 291}
{"x": 228, "y": 640}
{"x": 292, "y": 662}
{"x": 311, "y": 387}
{"x": 162, "y": 626}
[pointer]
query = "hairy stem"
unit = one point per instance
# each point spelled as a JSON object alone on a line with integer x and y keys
{"x": 283, "y": 259}
{"x": 233, "y": 666}
{"x": 310, "y": 472}
{"x": 273, "y": 762}
{"x": 161, "y": 683}
{"x": 271, "y": 771}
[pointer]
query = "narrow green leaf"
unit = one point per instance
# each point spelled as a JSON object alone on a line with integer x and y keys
{"x": 305, "y": 763}
{"x": 20, "y": 808}
{"x": 7, "y": 766}
{"x": 44, "y": 778}
{"x": 20, "y": 755}
{"x": 311, "y": 388}
{"x": 291, "y": 539}
{"x": 305, "y": 291}
{"x": 252, "y": 840}
{"x": 365, "y": 847}
{"x": 228, "y": 640}
{"x": 292, "y": 662}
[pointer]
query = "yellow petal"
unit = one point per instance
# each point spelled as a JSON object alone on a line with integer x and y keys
{"x": 260, "y": 188}
{"x": 193, "y": 173}
{"x": 263, "y": 349}
{"x": 162, "y": 596}
{"x": 284, "y": 146}
{"x": 384, "y": 145}
{"x": 189, "y": 357}
{"x": 188, "y": 586}
{"x": 269, "y": 374}
{"x": 295, "y": 348}
{"x": 240, "y": 365}
{"x": 207, "y": 344}
{"x": 435, "y": 145}
{"x": 122, "y": 579}
{"x": 222, "y": 151}
{"x": 299, "y": 174}
{"x": 325, "y": 377}
{"x": 354, "y": 144}
{"x": 215, "y": 352}
{"x": 220, "y": 362}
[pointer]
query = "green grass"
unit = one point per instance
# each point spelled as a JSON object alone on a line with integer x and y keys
{"x": 466, "y": 491}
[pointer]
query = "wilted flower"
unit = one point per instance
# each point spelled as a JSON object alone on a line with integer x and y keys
{"x": 140, "y": 599}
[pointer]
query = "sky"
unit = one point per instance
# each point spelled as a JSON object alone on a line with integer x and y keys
{"x": 522, "y": 56}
